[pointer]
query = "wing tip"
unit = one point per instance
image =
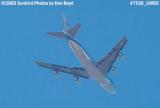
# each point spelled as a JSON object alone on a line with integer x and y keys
{"x": 43, "y": 64}
{"x": 37, "y": 62}
{"x": 124, "y": 37}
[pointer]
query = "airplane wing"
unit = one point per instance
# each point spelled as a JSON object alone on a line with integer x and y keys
{"x": 105, "y": 64}
{"x": 76, "y": 71}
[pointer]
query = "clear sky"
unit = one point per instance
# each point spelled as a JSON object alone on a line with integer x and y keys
{"x": 23, "y": 40}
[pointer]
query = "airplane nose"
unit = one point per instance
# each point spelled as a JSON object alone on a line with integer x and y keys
{"x": 109, "y": 88}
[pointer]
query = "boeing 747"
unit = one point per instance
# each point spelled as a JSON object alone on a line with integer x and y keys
{"x": 96, "y": 70}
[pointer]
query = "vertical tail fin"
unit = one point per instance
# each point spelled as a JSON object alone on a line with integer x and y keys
{"x": 73, "y": 31}
{"x": 65, "y": 22}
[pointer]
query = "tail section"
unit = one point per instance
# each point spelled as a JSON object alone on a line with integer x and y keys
{"x": 65, "y": 22}
{"x": 71, "y": 33}
{"x": 57, "y": 34}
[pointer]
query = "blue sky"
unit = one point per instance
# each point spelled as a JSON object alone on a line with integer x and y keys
{"x": 23, "y": 40}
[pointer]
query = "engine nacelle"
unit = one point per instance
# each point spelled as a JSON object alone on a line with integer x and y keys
{"x": 76, "y": 78}
{"x": 55, "y": 72}
{"x": 120, "y": 55}
{"x": 113, "y": 69}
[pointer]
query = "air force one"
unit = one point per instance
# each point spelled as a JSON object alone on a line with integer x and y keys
{"x": 91, "y": 69}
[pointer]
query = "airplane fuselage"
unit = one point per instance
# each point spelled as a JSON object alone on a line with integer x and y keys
{"x": 89, "y": 65}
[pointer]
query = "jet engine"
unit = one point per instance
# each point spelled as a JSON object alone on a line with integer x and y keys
{"x": 76, "y": 78}
{"x": 121, "y": 56}
{"x": 55, "y": 72}
{"x": 113, "y": 68}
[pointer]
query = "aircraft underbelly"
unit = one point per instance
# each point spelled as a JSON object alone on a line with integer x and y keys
{"x": 86, "y": 61}
{"x": 90, "y": 67}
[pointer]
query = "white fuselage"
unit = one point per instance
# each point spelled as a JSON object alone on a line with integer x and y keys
{"x": 89, "y": 65}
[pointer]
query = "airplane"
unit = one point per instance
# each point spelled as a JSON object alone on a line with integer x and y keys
{"x": 91, "y": 69}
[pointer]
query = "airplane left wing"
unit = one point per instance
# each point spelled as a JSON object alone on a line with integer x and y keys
{"x": 76, "y": 71}
{"x": 105, "y": 64}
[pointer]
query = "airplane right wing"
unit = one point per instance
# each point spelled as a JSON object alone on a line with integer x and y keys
{"x": 76, "y": 71}
{"x": 105, "y": 64}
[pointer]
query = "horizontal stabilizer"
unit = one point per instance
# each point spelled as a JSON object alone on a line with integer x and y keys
{"x": 57, "y": 34}
{"x": 73, "y": 31}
